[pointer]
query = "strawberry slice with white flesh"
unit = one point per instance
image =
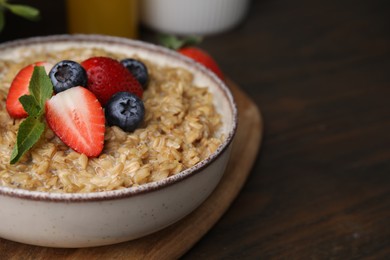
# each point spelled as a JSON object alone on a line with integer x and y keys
{"x": 77, "y": 118}
{"x": 18, "y": 88}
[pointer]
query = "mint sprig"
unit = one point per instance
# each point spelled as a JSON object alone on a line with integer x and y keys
{"x": 41, "y": 88}
{"x": 32, "y": 128}
{"x": 25, "y": 11}
{"x": 30, "y": 131}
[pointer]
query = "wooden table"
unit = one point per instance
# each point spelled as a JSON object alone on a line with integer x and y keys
{"x": 319, "y": 71}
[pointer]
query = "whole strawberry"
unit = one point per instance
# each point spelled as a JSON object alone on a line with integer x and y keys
{"x": 107, "y": 76}
{"x": 186, "y": 47}
{"x": 202, "y": 57}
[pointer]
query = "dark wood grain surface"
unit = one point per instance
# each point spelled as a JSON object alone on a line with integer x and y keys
{"x": 320, "y": 73}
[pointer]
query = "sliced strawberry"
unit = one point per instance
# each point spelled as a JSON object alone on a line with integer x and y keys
{"x": 77, "y": 118}
{"x": 18, "y": 88}
{"x": 203, "y": 58}
{"x": 107, "y": 76}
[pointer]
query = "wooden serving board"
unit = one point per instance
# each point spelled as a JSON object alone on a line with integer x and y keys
{"x": 177, "y": 239}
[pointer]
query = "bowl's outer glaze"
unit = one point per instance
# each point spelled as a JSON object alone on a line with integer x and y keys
{"x": 94, "y": 219}
{"x": 95, "y": 223}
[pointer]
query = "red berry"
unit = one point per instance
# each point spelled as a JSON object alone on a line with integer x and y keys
{"x": 77, "y": 118}
{"x": 107, "y": 76}
{"x": 18, "y": 88}
{"x": 203, "y": 58}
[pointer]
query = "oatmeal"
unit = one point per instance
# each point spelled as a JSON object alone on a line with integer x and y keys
{"x": 178, "y": 131}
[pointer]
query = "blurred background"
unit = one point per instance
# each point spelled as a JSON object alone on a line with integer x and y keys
{"x": 319, "y": 71}
{"x": 127, "y": 18}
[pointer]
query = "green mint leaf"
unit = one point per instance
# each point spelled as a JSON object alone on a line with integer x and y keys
{"x": 31, "y": 106}
{"x": 170, "y": 41}
{"x": 30, "y": 130}
{"x": 25, "y": 11}
{"x": 2, "y": 19}
{"x": 175, "y": 43}
{"x": 40, "y": 86}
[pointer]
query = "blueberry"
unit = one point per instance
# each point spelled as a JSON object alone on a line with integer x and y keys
{"x": 138, "y": 69}
{"x": 67, "y": 74}
{"x": 124, "y": 110}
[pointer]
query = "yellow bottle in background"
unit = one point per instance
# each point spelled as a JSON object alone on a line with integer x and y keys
{"x": 111, "y": 17}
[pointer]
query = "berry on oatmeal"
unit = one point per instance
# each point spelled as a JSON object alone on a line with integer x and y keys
{"x": 107, "y": 76}
{"x": 67, "y": 74}
{"x": 77, "y": 118}
{"x": 180, "y": 127}
{"x": 18, "y": 88}
{"x": 125, "y": 110}
{"x": 138, "y": 69}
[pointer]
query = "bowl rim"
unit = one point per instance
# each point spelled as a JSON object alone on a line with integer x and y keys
{"x": 144, "y": 188}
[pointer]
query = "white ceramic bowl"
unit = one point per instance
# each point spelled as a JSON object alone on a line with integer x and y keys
{"x": 201, "y": 17}
{"x": 102, "y": 218}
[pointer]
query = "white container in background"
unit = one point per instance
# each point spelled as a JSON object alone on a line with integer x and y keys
{"x": 200, "y": 17}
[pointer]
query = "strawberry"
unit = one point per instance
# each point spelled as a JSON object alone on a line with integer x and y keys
{"x": 18, "y": 88}
{"x": 77, "y": 118}
{"x": 203, "y": 58}
{"x": 185, "y": 46}
{"x": 107, "y": 76}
